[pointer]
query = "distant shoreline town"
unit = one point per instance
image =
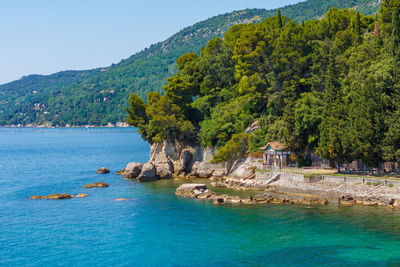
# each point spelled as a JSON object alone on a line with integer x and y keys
{"x": 49, "y": 125}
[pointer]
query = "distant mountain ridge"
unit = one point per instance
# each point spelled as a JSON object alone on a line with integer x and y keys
{"x": 99, "y": 96}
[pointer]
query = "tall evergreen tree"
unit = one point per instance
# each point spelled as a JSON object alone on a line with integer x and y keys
{"x": 357, "y": 23}
{"x": 279, "y": 19}
{"x": 396, "y": 33}
{"x": 332, "y": 128}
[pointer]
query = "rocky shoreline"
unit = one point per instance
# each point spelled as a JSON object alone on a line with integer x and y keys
{"x": 173, "y": 159}
{"x": 200, "y": 191}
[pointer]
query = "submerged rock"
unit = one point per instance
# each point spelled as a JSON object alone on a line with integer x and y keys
{"x": 132, "y": 170}
{"x": 103, "y": 170}
{"x": 36, "y": 197}
{"x": 148, "y": 173}
{"x": 54, "y": 196}
{"x": 100, "y": 184}
{"x": 88, "y": 186}
{"x": 120, "y": 172}
{"x": 59, "y": 196}
{"x": 82, "y": 195}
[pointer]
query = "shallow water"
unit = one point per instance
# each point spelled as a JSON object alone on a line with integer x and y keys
{"x": 154, "y": 227}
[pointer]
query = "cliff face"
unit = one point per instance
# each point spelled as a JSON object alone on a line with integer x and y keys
{"x": 194, "y": 160}
{"x": 186, "y": 158}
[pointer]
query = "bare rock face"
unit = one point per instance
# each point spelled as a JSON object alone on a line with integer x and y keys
{"x": 186, "y": 158}
{"x": 164, "y": 169}
{"x": 100, "y": 184}
{"x": 195, "y": 168}
{"x": 163, "y": 173}
{"x": 182, "y": 155}
{"x": 133, "y": 170}
{"x": 219, "y": 173}
{"x": 103, "y": 170}
{"x": 148, "y": 173}
{"x": 207, "y": 170}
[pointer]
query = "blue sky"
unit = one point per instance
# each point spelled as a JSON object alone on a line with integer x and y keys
{"x": 46, "y": 36}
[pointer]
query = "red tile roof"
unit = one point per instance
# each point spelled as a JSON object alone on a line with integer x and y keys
{"x": 276, "y": 146}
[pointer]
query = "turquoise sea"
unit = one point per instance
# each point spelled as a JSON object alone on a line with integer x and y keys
{"x": 154, "y": 227}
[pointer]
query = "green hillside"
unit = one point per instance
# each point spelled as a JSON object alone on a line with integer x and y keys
{"x": 329, "y": 87}
{"x": 101, "y": 95}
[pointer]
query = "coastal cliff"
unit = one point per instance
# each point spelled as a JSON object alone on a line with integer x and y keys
{"x": 187, "y": 159}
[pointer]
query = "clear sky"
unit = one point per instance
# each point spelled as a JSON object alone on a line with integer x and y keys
{"x": 46, "y": 36}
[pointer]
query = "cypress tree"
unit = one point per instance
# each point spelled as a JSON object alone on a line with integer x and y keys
{"x": 396, "y": 33}
{"x": 357, "y": 23}
{"x": 332, "y": 128}
{"x": 279, "y": 19}
{"x": 332, "y": 81}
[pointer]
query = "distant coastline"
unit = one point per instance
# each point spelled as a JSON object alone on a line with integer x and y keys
{"x": 49, "y": 125}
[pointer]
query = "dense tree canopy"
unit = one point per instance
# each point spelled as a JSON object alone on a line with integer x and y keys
{"x": 328, "y": 86}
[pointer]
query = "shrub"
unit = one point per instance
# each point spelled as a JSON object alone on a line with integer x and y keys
{"x": 377, "y": 183}
{"x": 390, "y": 185}
{"x": 369, "y": 183}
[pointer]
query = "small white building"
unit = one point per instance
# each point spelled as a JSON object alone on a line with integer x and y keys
{"x": 276, "y": 154}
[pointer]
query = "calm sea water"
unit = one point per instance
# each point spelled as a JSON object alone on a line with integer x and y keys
{"x": 154, "y": 227}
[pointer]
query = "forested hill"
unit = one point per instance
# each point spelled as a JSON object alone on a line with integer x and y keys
{"x": 328, "y": 86}
{"x": 99, "y": 96}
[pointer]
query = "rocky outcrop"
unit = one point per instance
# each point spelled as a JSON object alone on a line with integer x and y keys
{"x": 103, "y": 170}
{"x": 100, "y": 184}
{"x": 82, "y": 195}
{"x": 207, "y": 170}
{"x": 148, "y": 173}
{"x": 53, "y": 196}
{"x": 164, "y": 170}
{"x": 349, "y": 200}
{"x": 120, "y": 172}
{"x": 96, "y": 184}
{"x": 132, "y": 170}
{"x": 200, "y": 191}
{"x": 191, "y": 190}
{"x": 182, "y": 158}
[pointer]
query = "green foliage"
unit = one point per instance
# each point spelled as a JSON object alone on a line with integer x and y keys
{"x": 185, "y": 59}
{"x": 100, "y": 96}
{"x": 279, "y": 19}
{"x": 390, "y": 185}
{"x": 233, "y": 149}
{"x": 332, "y": 143}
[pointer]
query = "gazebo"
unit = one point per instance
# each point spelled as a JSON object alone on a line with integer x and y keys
{"x": 276, "y": 154}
